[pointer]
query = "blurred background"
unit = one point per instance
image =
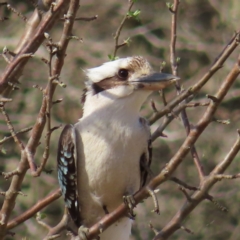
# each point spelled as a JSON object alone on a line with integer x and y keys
{"x": 204, "y": 28}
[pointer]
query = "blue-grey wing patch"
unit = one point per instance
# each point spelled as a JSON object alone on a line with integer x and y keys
{"x": 67, "y": 175}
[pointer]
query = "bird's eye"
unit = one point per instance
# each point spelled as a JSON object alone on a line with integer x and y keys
{"x": 123, "y": 74}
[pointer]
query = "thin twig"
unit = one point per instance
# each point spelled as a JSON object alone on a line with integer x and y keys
{"x": 199, "y": 84}
{"x": 86, "y": 19}
{"x": 117, "y": 34}
{"x": 17, "y": 12}
{"x": 174, "y": 65}
{"x": 34, "y": 209}
{"x": 11, "y": 129}
{"x": 10, "y": 137}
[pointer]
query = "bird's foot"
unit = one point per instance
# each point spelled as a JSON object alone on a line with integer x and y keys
{"x": 152, "y": 193}
{"x": 82, "y": 233}
{"x": 130, "y": 203}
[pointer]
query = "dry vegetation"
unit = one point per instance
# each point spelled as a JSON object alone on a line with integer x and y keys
{"x": 197, "y": 139}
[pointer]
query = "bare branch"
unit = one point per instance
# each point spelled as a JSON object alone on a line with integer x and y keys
{"x": 87, "y": 19}
{"x": 34, "y": 209}
{"x": 13, "y": 71}
{"x": 16, "y": 133}
{"x": 17, "y": 12}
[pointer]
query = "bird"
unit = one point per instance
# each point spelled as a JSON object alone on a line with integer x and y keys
{"x": 107, "y": 153}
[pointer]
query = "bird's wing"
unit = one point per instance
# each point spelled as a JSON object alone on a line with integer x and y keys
{"x": 67, "y": 175}
{"x": 146, "y": 157}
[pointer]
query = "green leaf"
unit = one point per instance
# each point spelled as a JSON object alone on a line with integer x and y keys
{"x": 3, "y": 150}
{"x": 128, "y": 41}
{"x": 169, "y": 5}
{"x": 134, "y": 14}
{"x": 112, "y": 58}
{"x": 41, "y": 215}
{"x": 178, "y": 59}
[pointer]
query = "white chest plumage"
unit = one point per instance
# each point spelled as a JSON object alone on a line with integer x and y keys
{"x": 110, "y": 159}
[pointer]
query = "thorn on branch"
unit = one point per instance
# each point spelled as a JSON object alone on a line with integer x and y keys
{"x": 53, "y": 4}
{"x": 55, "y": 128}
{"x": 7, "y": 51}
{"x": 183, "y": 190}
{"x": 185, "y": 185}
{"x": 45, "y": 60}
{"x": 39, "y": 88}
{"x": 26, "y": 55}
{"x": 217, "y": 204}
{"x": 153, "y": 106}
{"x": 155, "y": 201}
{"x": 8, "y": 175}
{"x": 75, "y": 38}
{"x": 61, "y": 84}
{"x": 187, "y": 230}
{"x": 55, "y": 77}
{"x": 13, "y": 86}
{"x": 4, "y": 54}
{"x": 3, "y": 193}
{"x": 57, "y": 101}
{"x": 153, "y": 229}
{"x": 67, "y": 17}
{"x": 21, "y": 193}
{"x": 162, "y": 94}
{"x": 213, "y": 98}
{"x": 47, "y": 36}
{"x": 226, "y": 122}
{"x": 3, "y": 219}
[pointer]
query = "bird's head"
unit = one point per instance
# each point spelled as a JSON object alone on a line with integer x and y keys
{"x": 131, "y": 78}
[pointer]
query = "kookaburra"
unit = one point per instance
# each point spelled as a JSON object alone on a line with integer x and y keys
{"x": 104, "y": 156}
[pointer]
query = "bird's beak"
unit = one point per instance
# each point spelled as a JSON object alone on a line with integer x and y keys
{"x": 155, "y": 81}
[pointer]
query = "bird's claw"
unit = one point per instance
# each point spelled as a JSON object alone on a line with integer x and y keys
{"x": 152, "y": 193}
{"x": 130, "y": 202}
{"x": 82, "y": 233}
